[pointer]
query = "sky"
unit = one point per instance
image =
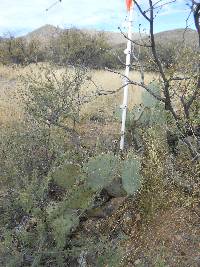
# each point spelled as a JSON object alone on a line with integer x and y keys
{"x": 22, "y": 16}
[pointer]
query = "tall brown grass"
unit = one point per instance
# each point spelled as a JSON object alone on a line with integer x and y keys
{"x": 11, "y": 110}
{"x": 109, "y": 82}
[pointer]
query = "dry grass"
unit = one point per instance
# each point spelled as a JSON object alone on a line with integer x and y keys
{"x": 10, "y": 110}
{"x": 9, "y": 73}
{"x": 10, "y": 107}
{"x": 109, "y": 82}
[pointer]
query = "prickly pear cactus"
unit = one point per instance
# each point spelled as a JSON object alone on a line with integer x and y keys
{"x": 153, "y": 109}
{"x": 148, "y": 100}
{"x": 131, "y": 176}
{"x": 101, "y": 170}
{"x": 66, "y": 175}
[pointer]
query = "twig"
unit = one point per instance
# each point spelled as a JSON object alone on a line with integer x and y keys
{"x": 140, "y": 84}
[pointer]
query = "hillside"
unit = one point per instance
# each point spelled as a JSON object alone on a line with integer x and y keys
{"x": 114, "y": 38}
{"x": 47, "y": 32}
{"x": 44, "y": 33}
{"x": 189, "y": 36}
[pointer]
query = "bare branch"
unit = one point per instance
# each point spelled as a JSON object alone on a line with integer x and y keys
{"x": 134, "y": 42}
{"x": 160, "y": 6}
{"x": 141, "y": 11}
{"x": 153, "y": 44}
{"x": 196, "y": 92}
{"x": 140, "y": 84}
{"x": 194, "y": 96}
{"x": 179, "y": 78}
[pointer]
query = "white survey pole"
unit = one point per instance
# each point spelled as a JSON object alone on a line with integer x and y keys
{"x": 124, "y": 106}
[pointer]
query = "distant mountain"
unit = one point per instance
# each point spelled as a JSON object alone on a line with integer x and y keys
{"x": 44, "y": 34}
{"x": 189, "y": 36}
{"x": 114, "y": 38}
{"x": 47, "y": 32}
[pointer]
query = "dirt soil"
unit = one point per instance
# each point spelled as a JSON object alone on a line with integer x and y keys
{"x": 171, "y": 238}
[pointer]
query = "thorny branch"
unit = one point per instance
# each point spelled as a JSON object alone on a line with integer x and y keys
{"x": 196, "y": 12}
{"x": 133, "y": 41}
{"x": 140, "y": 84}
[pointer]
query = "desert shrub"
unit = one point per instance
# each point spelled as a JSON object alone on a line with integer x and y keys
{"x": 38, "y": 163}
{"x": 187, "y": 174}
{"x": 167, "y": 54}
{"x": 35, "y": 225}
{"x": 52, "y": 96}
{"x": 39, "y": 231}
{"x": 34, "y": 52}
{"x": 14, "y": 50}
{"x": 25, "y": 151}
{"x": 32, "y": 219}
{"x": 20, "y": 51}
{"x": 75, "y": 47}
{"x": 157, "y": 176}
